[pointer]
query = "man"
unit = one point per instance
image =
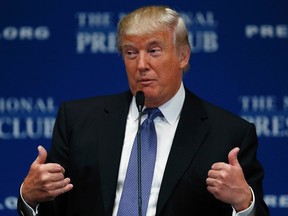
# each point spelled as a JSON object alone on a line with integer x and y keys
{"x": 206, "y": 157}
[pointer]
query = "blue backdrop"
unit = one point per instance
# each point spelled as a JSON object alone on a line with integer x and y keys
{"x": 52, "y": 51}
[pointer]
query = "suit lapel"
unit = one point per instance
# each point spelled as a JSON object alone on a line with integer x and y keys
{"x": 110, "y": 147}
{"x": 191, "y": 131}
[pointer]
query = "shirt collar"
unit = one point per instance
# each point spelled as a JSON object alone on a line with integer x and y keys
{"x": 171, "y": 109}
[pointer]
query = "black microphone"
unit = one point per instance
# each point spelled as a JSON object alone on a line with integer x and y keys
{"x": 140, "y": 100}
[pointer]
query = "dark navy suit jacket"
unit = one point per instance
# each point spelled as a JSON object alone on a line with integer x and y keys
{"x": 87, "y": 142}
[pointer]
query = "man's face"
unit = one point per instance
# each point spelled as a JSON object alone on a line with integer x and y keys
{"x": 153, "y": 66}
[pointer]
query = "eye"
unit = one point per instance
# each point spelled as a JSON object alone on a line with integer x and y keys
{"x": 131, "y": 54}
{"x": 155, "y": 52}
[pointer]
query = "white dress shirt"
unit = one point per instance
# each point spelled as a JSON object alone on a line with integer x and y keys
{"x": 165, "y": 129}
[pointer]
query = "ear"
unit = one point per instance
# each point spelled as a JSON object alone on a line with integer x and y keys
{"x": 184, "y": 57}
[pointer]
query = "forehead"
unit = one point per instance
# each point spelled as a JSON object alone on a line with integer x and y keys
{"x": 157, "y": 38}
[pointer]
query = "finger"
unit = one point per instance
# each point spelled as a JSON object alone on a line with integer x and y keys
{"x": 219, "y": 166}
{"x": 42, "y": 155}
{"x": 56, "y": 177}
{"x": 57, "y": 185}
{"x": 53, "y": 193}
{"x": 68, "y": 188}
{"x": 212, "y": 173}
{"x": 232, "y": 157}
{"x": 211, "y": 181}
{"x": 219, "y": 176}
{"x": 53, "y": 168}
{"x": 64, "y": 189}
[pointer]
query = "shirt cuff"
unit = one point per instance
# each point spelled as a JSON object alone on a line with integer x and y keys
{"x": 250, "y": 211}
{"x": 27, "y": 207}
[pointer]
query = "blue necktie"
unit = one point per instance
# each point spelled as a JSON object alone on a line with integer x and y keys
{"x": 128, "y": 205}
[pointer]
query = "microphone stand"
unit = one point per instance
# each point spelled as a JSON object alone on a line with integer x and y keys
{"x": 139, "y": 166}
{"x": 140, "y": 99}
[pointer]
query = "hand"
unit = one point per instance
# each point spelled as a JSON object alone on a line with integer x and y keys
{"x": 227, "y": 182}
{"x": 44, "y": 182}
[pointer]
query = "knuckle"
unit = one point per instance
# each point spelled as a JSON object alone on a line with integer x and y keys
{"x": 223, "y": 175}
{"x": 43, "y": 178}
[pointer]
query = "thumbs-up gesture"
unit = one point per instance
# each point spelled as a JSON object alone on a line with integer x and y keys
{"x": 44, "y": 182}
{"x": 227, "y": 182}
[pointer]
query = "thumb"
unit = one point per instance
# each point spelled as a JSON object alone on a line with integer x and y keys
{"x": 232, "y": 157}
{"x": 42, "y": 155}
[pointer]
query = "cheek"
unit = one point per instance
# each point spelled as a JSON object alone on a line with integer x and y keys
{"x": 171, "y": 79}
{"x": 170, "y": 72}
{"x": 130, "y": 69}
{"x": 130, "y": 77}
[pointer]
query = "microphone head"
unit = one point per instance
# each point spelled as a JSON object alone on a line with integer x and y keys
{"x": 140, "y": 100}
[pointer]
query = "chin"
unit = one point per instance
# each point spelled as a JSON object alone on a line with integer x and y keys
{"x": 152, "y": 100}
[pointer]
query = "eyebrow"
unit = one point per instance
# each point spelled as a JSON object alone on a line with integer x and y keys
{"x": 128, "y": 45}
{"x": 150, "y": 43}
{"x": 155, "y": 42}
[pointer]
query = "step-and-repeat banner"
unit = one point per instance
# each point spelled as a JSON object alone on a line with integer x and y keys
{"x": 53, "y": 51}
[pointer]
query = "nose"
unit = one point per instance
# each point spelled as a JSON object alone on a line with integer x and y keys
{"x": 143, "y": 62}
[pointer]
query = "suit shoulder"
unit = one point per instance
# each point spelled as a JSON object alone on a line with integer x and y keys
{"x": 220, "y": 114}
{"x": 97, "y": 101}
{"x": 94, "y": 106}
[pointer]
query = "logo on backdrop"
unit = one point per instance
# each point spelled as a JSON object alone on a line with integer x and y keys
{"x": 26, "y": 118}
{"x": 97, "y": 32}
{"x": 276, "y": 200}
{"x": 9, "y": 203}
{"x": 12, "y": 33}
{"x": 202, "y": 31}
{"x": 267, "y": 112}
{"x": 266, "y": 31}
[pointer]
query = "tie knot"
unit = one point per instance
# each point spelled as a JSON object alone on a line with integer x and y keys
{"x": 153, "y": 113}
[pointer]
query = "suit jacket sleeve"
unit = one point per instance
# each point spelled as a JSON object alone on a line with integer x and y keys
{"x": 252, "y": 169}
{"x": 47, "y": 208}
